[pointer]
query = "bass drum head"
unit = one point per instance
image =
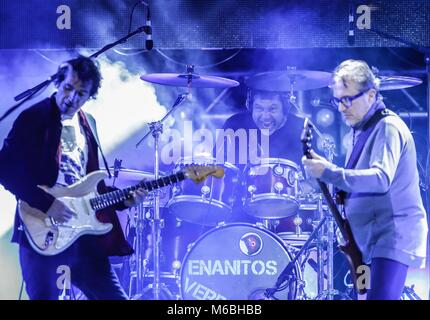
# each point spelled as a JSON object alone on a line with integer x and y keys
{"x": 235, "y": 262}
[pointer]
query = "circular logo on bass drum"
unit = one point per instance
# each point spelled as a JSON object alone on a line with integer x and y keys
{"x": 251, "y": 244}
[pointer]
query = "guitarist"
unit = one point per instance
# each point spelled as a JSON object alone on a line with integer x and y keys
{"x": 55, "y": 143}
{"x": 380, "y": 182}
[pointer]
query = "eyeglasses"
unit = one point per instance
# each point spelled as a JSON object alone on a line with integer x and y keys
{"x": 346, "y": 100}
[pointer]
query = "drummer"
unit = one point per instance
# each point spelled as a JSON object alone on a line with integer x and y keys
{"x": 269, "y": 114}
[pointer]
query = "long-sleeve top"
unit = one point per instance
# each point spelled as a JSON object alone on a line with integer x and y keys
{"x": 384, "y": 205}
{"x": 31, "y": 156}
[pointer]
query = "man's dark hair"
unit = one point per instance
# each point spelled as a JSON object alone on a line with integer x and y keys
{"x": 86, "y": 68}
{"x": 267, "y": 95}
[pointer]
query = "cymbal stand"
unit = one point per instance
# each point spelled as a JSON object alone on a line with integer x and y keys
{"x": 326, "y": 242}
{"x": 325, "y": 249}
{"x": 287, "y": 276}
{"x": 156, "y": 129}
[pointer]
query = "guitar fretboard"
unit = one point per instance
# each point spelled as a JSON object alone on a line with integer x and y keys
{"x": 117, "y": 196}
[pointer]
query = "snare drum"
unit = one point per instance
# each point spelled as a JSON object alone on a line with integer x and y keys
{"x": 236, "y": 261}
{"x": 207, "y": 203}
{"x": 271, "y": 188}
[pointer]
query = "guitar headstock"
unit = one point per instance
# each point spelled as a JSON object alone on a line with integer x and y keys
{"x": 199, "y": 173}
{"x": 306, "y": 138}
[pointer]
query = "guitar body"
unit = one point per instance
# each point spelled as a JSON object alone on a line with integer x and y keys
{"x": 49, "y": 238}
{"x": 353, "y": 255}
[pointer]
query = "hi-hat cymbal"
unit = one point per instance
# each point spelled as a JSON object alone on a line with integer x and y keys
{"x": 193, "y": 80}
{"x": 283, "y": 81}
{"x": 398, "y": 82}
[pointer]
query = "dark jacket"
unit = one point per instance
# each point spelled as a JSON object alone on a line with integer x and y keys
{"x": 31, "y": 156}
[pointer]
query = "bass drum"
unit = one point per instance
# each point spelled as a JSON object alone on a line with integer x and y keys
{"x": 237, "y": 261}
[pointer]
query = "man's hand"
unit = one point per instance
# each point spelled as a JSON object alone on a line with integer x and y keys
{"x": 315, "y": 167}
{"x": 138, "y": 197}
{"x": 60, "y": 212}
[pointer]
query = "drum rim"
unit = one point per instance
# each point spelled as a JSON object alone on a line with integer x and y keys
{"x": 274, "y": 161}
{"x": 218, "y": 204}
{"x": 224, "y": 226}
{"x": 270, "y": 196}
{"x": 214, "y": 162}
{"x": 198, "y": 199}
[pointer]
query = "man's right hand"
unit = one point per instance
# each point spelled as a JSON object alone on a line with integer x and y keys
{"x": 60, "y": 212}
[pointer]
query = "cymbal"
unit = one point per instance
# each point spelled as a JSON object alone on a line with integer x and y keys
{"x": 398, "y": 82}
{"x": 283, "y": 81}
{"x": 183, "y": 80}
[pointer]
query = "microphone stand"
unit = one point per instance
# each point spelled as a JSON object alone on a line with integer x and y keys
{"x": 28, "y": 94}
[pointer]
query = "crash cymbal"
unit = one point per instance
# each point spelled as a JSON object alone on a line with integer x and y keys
{"x": 398, "y": 82}
{"x": 192, "y": 79}
{"x": 283, "y": 81}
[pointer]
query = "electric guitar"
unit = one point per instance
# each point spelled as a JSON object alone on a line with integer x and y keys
{"x": 349, "y": 248}
{"x": 48, "y": 237}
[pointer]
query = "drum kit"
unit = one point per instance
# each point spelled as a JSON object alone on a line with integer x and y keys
{"x": 186, "y": 246}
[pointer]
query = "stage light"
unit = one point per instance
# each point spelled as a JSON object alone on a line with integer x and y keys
{"x": 325, "y": 118}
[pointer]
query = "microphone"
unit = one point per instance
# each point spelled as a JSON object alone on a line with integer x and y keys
{"x": 351, "y": 35}
{"x": 149, "y": 44}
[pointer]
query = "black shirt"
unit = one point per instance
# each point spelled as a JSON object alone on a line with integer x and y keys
{"x": 283, "y": 143}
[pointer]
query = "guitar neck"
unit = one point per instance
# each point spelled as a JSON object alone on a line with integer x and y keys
{"x": 112, "y": 198}
{"x": 332, "y": 205}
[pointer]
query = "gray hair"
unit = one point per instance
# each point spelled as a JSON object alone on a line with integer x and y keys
{"x": 358, "y": 72}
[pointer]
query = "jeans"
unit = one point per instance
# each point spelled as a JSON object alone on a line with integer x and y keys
{"x": 90, "y": 271}
{"x": 387, "y": 279}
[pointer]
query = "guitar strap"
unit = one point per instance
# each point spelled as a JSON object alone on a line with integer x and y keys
{"x": 358, "y": 147}
{"x": 92, "y": 128}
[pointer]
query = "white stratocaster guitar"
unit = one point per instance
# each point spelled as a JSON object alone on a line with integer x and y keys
{"x": 49, "y": 237}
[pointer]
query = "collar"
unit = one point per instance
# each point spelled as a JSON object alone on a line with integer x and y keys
{"x": 377, "y": 105}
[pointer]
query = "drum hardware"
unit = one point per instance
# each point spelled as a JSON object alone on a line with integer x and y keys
{"x": 269, "y": 224}
{"x": 281, "y": 81}
{"x": 189, "y": 79}
{"x": 409, "y": 292}
{"x": 287, "y": 275}
{"x": 322, "y": 264}
{"x": 206, "y": 204}
{"x": 397, "y": 82}
{"x": 235, "y": 261}
{"x": 155, "y": 129}
{"x": 270, "y": 188}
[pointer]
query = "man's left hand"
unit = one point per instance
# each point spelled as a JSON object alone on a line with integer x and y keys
{"x": 315, "y": 167}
